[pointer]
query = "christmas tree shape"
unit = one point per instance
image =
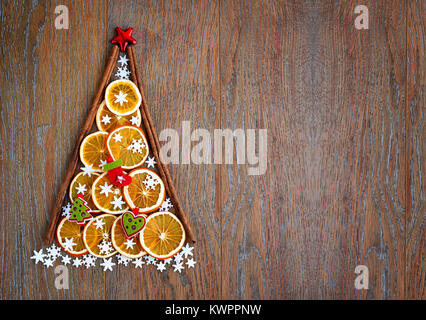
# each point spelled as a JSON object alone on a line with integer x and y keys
{"x": 117, "y": 161}
{"x": 80, "y": 212}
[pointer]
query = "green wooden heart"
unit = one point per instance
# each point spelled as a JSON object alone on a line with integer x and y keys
{"x": 132, "y": 224}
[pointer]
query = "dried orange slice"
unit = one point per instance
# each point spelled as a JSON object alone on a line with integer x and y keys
{"x": 107, "y": 197}
{"x": 70, "y": 237}
{"x": 122, "y": 97}
{"x": 108, "y": 121}
{"x": 97, "y": 236}
{"x": 163, "y": 235}
{"x": 131, "y": 248}
{"x": 129, "y": 144}
{"x": 83, "y": 184}
{"x": 146, "y": 191}
{"x": 93, "y": 150}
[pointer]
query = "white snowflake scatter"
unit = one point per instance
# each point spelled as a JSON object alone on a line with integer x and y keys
{"x": 123, "y": 60}
{"x": 130, "y": 243}
{"x": 38, "y": 256}
{"x": 106, "y": 119}
{"x": 105, "y": 247}
{"x": 150, "y": 260}
{"x": 177, "y": 263}
{"x": 81, "y": 188}
{"x": 66, "y": 260}
{"x": 103, "y": 162}
{"x": 107, "y": 264}
{"x": 106, "y": 189}
{"x": 134, "y": 120}
{"x": 161, "y": 266}
{"x": 190, "y": 263}
{"x": 77, "y": 262}
{"x": 187, "y": 250}
{"x": 138, "y": 263}
{"x": 66, "y": 210}
{"x": 178, "y": 267}
{"x": 117, "y": 202}
{"x": 89, "y": 261}
{"x": 117, "y": 137}
{"x": 69, "y": 244}
{"x": 53, "y": 252}
{"x": 178, "y": 257}
{"x": 48, "y": 262}
{"x": 88, "y": 170}
{"x": 120, "y": 98}
{"x": 123, "y": 259}
{"x": 122, "y": 73}
{"x": 166, "y": 205}
{"x": 150, "y": 162}
{"x": 136, "y": 146}
{"x": 99, "y": 223}
{"x": 150, "y": 182}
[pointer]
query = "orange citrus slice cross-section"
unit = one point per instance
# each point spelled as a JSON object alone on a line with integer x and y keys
{"x": 97, "y": 236}
{"x": 122, "y": 97}
{"x": 93, "y": 151}
{"x": 83, "y": 184}
{"x": 146, "y": 191}
{"x": 70, "y": 237}
{"x": 108, "y": 121}
{"x": 163, "y": 235}
{"x": 107, "y": 197}
{"x": 131, "y": 248}
{"x": 129, "y": 144}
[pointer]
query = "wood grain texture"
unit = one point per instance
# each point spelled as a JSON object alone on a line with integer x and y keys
{"x": 333, "y": 101}
{"x": 344, "y": 110}
{"x": 416, "y": 150}
{"x": 46, "y": 88}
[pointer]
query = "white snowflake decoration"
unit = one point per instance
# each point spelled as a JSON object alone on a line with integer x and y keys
{"x": 178, "y": 263}
{"x": 107, "y": 264}
{"x": 66, "y": 210}
{"x": 88, "y": 170}
{"x": 69, "y": 244}
{"x": 105, "y": 247}
{"x": 123, "y": 60}
{"x": 138, "y": 263}
{"x": 106, "y": 119}
{"x": 38, "y": 256}
{"x": 120, "y": 98}
{"x": 150, "y": 162}
{"x": 136, "y": 146}
{"x": 166, "y": 205}
{"x": 123, "y": 259}
{"x": 134, "y": 121}
{"x": 122, "y": 73}
{"x": 117, "y": 202}
{"x": 150, "y": 182}
{"x": 106, "y": 189}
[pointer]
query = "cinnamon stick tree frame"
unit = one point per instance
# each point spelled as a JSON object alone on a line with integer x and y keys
{"x": 85, "y": 130}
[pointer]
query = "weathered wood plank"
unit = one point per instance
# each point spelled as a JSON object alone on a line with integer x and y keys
{"x": 334, "y": 194}
{"x": 416, "y": 150}
{"x": 47, "y": 82}
{"x": 177, "y": 53}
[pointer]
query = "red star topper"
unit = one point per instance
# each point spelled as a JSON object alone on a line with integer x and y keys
{"x": 123, "y": 38}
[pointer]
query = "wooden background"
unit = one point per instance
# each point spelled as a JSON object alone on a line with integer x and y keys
{"x": 345, "y": 113}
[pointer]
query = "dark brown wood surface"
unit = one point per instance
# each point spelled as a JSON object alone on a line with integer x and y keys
{"x": 344, "y": 110}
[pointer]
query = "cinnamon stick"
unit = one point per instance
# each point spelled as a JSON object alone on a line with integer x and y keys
{"x": 155, "y": 146}
{"x": 56, "y": 210}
